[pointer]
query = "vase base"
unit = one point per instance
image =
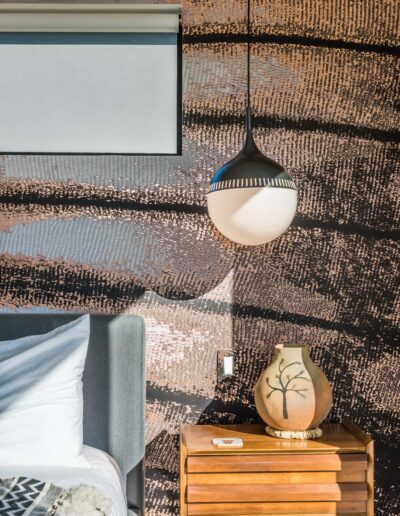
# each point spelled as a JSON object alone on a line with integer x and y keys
{"x": 313, "y": 433}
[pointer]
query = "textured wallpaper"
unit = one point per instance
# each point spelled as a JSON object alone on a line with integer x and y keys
{"x": 130, "y": 234}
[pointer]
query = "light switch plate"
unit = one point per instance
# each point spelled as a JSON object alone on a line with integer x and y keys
{"x": 225, "y": 365}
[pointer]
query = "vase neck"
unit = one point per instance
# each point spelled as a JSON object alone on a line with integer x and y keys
{"x": 291, "y": 352}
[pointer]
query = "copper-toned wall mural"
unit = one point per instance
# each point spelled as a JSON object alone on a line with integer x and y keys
{"x": 131, "y": 234}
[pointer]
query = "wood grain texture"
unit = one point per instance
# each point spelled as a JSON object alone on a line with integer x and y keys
{"x": 183, "y": 477}
{"x": 277, "y": 493}
{"x": 318, "y": 477}
{"x": 336, "y": 438}
{"x": 115, "y": 234}
{"x": 287, "y": 462}
{"x": 272, "y": 509}
{"x": 279, "y": 473}
{"x": 371, "y": 462}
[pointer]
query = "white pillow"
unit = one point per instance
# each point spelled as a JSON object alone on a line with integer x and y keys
{"x": 41, "y": 399}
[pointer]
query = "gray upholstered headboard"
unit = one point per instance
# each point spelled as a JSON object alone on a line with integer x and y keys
{"x": 113, "y": 387}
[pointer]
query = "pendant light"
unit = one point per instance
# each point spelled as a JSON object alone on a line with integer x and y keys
{"x": 251, "y": 199}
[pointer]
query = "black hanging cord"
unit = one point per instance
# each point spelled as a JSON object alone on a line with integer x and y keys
{"x": 248, "y": 55}
{"x": 249, "y": 145}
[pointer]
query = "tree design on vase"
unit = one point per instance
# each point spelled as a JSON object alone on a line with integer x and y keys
{"x": 286, "y": 385}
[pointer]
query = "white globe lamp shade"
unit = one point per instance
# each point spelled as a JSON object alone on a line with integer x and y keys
{"x": 252, "y": 216}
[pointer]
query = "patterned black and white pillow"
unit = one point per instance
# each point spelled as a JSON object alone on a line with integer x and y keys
{"x": 21, "y": 496}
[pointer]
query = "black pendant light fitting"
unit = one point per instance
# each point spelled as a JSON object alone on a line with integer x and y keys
{"x": 251, "y": 169}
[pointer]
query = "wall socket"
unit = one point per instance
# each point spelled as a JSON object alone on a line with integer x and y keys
{"x": 225, "y": 365}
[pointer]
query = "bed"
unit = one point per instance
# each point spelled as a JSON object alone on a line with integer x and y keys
{"x": 114, "y": 405}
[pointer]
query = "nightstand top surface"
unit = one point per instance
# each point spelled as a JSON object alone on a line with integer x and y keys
{"x": 337, "y": 438}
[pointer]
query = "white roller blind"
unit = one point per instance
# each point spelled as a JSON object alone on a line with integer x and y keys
{"x": 89, "y": 79}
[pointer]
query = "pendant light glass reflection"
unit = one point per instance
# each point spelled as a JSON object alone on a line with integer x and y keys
{"x": 251, "y": 199}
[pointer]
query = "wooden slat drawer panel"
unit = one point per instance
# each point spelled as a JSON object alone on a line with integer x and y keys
{"x": 275, "y": 509}
{"x": 277, "y": 493}
{"x": 285, "y": 463}
{"x": 294, "y": 477}
{"x": 295, "y": 513}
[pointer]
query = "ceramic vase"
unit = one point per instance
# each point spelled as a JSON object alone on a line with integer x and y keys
{"x": 292, "y": 395}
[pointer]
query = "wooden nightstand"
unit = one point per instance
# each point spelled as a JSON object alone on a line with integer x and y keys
{"x": 330, "y": 475}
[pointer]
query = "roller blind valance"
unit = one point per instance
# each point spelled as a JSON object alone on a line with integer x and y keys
{"x": 89, "y": 18}
{"x": 90, "y": 79}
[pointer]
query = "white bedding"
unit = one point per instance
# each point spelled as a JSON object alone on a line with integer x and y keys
{"x": 96, "y": 468}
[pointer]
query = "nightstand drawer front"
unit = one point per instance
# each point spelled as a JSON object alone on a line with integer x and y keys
{"x": 277, "y": 509}
{"x": 277, "y": 493}
{"x": 294, "y": 477}
{"x": 284, "y": 463}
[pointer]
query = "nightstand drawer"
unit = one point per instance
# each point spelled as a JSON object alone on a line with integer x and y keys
{"x": 284, "y": 462}
{"x": 294, "y": 477}
{"x": 277, "y": 509}
{"x": 277, "y": 493}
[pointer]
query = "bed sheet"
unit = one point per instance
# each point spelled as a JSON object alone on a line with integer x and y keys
{"x": 94, "y": 468}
